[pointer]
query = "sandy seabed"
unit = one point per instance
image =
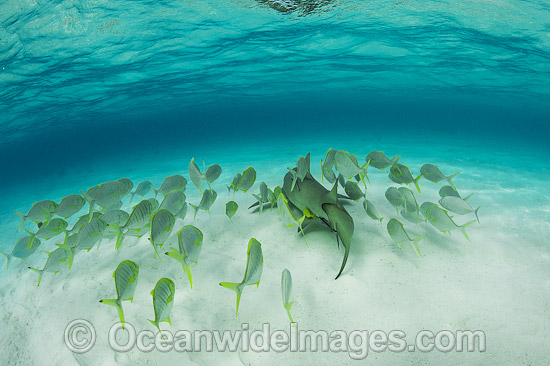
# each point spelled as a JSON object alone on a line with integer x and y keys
{"x": 498, "y": 283}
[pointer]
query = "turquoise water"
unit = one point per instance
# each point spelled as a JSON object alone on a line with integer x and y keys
{"x": 98, "y": 90}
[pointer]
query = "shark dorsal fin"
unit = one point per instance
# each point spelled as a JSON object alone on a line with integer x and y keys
{"x": 333, "y": 195}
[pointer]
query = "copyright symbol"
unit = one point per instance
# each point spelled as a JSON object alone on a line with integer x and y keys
{"x": 80, "y": 336}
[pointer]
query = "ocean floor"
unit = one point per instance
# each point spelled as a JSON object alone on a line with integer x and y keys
{"x": 498, "y": 283}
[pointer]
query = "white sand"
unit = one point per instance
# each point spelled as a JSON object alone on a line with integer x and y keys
{"x": 499, "y": 282}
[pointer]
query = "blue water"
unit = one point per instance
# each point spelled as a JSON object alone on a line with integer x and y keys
{"x": 91, "y": 91}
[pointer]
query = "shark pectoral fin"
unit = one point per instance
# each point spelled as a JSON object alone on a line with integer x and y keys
{"x": 235, "y": 287}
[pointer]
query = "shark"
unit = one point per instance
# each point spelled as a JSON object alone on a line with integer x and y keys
{"x": 317, "y": 202}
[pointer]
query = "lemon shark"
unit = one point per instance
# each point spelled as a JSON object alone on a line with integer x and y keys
{"x": 315, "y": 201}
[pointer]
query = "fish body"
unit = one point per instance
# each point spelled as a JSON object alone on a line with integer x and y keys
{"x": 81, "y": 221}
{"x": 441, "y": 220}
{"x": 90, "y": 234}
{"x": 246, "y": 180}
{"x": 126, "y": 276}
{"x": 115, "y": 219}
{"x": 173, "y": 183}
{"x": 253, "y": 271}
{"x": 231, "y": 208}
{"x": 189, "y": 249}
{"x": 394, "y": 197}
{"x": 286, "y": 288}
{"x": 70, "y": 205}
{"x": 197, "y": 177}
{"x": 409, "y": 200}
{"x": 207, "y": 200}
{"x": 163, "y": 301}
{"x": 40, "y": 212}
{"x": 51, "y": 229}
{"x": 138, "y": 219}
{"x": 24, "y": 247}
{"x": 141, "y": 190}
{"x": 263, "y": 197}
{"x": 458, "y": 206}
{"x": 399, "y": 236}
{"x": 425, "y": 206}
{"x": 107, "y": 194}
{"x": 173, "y": 202}
{"x": 353, "y": 191}
{"x": 371, "y": 210}
{"x": 379, "y": 160}
{"x": 401, "y": 174}
{"x": 432, "y": 173}
{"x": 162, "y": 223}
{"x": 327, "y": 166}
{"x": 57, "y": 260}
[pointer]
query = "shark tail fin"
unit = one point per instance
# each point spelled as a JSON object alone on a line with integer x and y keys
{"x": 346, "y": 253}
{"x": 235, "y": 287}
{"x": 416, "y": 183}
{"x": 40, "y": 272}
{"x": 463, "y": 228}
{"x": 450, "y": 178}
{"x": 8, "y": 257}
{"x": 414, "y": 243}
{"x": 476, "y": 213}
{"x": 23, "y": 219}
{"x": 118, "y": 306}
